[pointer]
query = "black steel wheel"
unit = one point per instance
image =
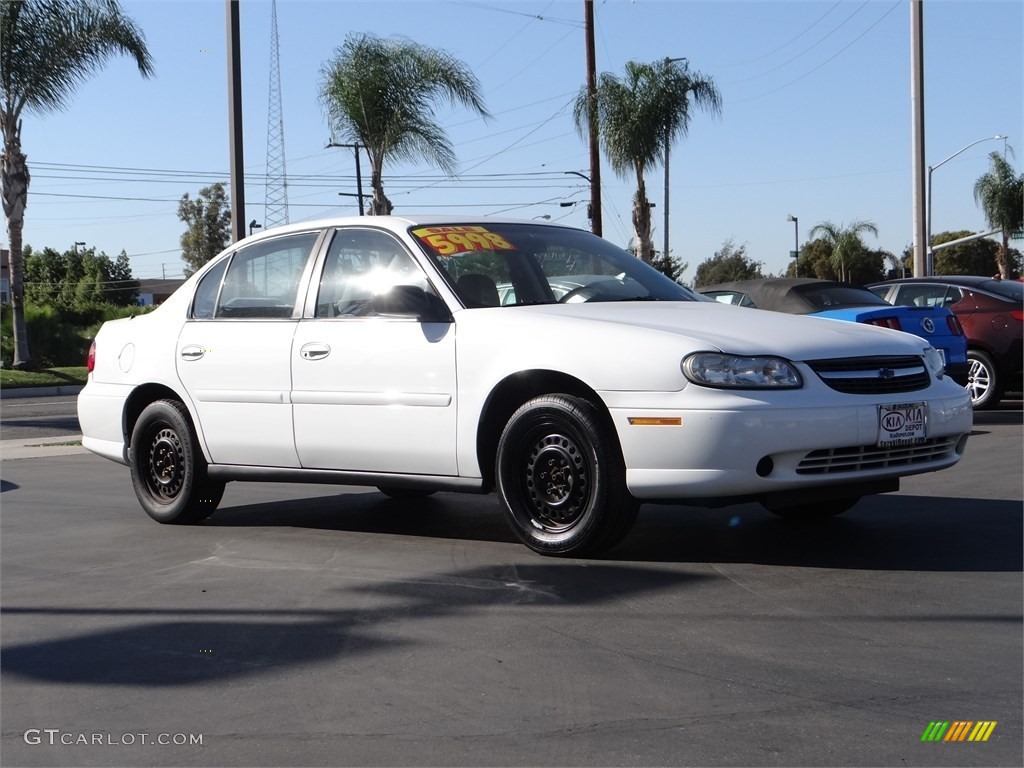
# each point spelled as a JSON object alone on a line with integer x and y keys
{"x": 168, "y": 469}
{"x": 818, "y": 510}
{"x": 983, "y": 382}
{"x": 561, "y": 478}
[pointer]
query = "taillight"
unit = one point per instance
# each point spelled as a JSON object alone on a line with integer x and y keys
{"x": 954, "y": 325}
{"x": 90, "y": 361}
{"x": 1017, "y": 314}
{"x": 886, "y": 322}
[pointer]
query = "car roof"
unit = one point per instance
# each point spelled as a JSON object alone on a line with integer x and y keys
{"x": 994, "y": 286}
{"x": 393, "y": 223}
{"x": 775, "y": 293}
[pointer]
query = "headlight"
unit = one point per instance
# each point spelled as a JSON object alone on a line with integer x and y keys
{"x": 933, "y": 361}
{"x": 714, "y": 369}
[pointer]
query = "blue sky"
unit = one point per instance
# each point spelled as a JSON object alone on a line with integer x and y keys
{"x": 816, "y": 119}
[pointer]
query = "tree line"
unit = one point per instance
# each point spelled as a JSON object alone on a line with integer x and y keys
{"x": 381, "y": 93}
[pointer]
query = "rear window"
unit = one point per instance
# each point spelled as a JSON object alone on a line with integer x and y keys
{"x": 833, "y": 296}
{"x": 1011, "y": 289}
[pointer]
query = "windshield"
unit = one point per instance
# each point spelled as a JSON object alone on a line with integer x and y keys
{"x": 494, "y": 264}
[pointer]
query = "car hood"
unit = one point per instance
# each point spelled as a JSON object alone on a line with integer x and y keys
{"x": 740, "y": 330}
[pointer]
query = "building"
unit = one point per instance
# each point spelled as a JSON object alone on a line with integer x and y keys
{"x": 156, "y": 291}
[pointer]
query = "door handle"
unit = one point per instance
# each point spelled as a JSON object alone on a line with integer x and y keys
{"x": 192, "y": 352}
{"x": 314, "y": 351}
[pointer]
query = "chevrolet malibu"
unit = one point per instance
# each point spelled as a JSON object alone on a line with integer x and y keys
{"x": 376, "y": 351}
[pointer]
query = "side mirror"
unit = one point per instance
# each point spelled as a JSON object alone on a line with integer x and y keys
{"x": 412, "y": 301}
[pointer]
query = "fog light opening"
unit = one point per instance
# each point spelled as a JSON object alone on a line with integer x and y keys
{"x": 765, "y": 466}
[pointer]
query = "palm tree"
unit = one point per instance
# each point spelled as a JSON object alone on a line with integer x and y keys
{"x": 380, "y": 93}
{"x": 47, "y": 49}
{"x": 638, "y": 116}
{"x": 1001, "y": 195}
{"x": 844, "y": 240}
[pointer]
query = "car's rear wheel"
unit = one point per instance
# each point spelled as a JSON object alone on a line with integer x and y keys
{"x": 561, "y": 478}
{"x": 168, "y": 469}
{"x": 819, "y": 510}
{"x": 982, "y": 380}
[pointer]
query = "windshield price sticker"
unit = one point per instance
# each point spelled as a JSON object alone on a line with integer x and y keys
{"x": 450, "y": 240}
{"x": 902, "y": 424}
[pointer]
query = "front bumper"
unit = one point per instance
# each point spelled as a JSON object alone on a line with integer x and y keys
{"x": 746, "y": 448}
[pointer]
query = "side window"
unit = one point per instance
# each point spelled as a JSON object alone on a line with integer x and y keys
{"x": 361, "y": 265}
{"x": 921, "y": 296}
{"x": 953, "y": 296}
{"x": 263, "y": 279}
{"x": 206, "y": 293}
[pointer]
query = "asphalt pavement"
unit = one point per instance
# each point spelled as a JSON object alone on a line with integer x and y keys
{"x": 319, "y": 625}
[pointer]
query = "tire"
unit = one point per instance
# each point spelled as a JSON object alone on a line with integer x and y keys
{"x": 983, "y": 382}
{"x": 561, "y": 478}
{"x": 168, "y": 469}
{"x": 821, "y": 510}
{"x": 404, "y": 494}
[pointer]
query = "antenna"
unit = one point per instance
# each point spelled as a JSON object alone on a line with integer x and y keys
{"x": 276, "y": 206}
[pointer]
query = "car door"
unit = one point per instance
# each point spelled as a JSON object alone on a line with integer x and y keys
{"x": 373, "y": 390}
{"x": 233, "y": 353}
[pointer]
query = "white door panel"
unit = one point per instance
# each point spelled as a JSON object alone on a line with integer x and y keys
{"x": 237, "y": 374}
{"x": 381, "y": 400}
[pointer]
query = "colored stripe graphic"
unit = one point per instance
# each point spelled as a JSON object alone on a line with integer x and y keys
{"x": 959, "y": 730}
{"x": 982, "y": 730}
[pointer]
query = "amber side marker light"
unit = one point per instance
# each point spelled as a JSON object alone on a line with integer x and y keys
{"x": 655, "y": 421}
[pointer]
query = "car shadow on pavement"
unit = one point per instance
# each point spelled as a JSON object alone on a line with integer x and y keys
{"x": 445, "y": 515}
{"x": 188, "y": 646}
{"x": 885, "y": 532}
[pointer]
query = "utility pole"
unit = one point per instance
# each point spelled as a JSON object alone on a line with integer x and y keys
{"x": 595, "y": 155}
{"x": 235, "y": 122}
{"x": 917, "y": 133}
{"x": 359, "y": 172}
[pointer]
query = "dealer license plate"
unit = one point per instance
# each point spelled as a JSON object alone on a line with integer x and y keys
{"x": 902, "y": 424}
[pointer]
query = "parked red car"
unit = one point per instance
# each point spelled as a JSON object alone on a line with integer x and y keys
{"x": 991, "y": 312}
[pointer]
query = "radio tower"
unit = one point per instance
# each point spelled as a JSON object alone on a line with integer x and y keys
{"x": 276, "y": 210}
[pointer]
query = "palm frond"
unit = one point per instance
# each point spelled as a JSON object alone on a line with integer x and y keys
{"x": 51, "y": 47}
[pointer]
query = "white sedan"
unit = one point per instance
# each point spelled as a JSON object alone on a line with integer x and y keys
{"x": 376, "y": 351}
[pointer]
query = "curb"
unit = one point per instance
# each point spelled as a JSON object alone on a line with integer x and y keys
{"x": 63, "y": 389}
{"x": 42, "y": 447}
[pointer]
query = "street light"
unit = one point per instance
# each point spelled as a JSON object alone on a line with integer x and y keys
{"x": 668, "y": 62}
{"x": 796, "y": 243}
{"x": 253, "y": 225}
{"x": 930, "y": 254}
{"x": 79, "y": 243}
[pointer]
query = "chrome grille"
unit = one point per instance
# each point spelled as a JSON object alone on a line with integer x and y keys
{"x": 872, "y": 375}
{"x": 866, "y": 457}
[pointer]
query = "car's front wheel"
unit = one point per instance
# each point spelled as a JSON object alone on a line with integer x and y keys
{"x": 819, "y": 510}
{"x": 168, "y": 469}
{"x": 982, "y": 380}
{"x": 561, "y": 478}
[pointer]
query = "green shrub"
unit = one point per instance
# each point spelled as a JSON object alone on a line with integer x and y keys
{"x": 59, "y": 337}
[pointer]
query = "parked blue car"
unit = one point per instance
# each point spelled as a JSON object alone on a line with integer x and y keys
{"x": 841, "y": 301}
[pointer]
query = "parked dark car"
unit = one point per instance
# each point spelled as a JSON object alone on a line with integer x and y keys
{"x": 842, "y": 301}
{"x": 991, "y": 312}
